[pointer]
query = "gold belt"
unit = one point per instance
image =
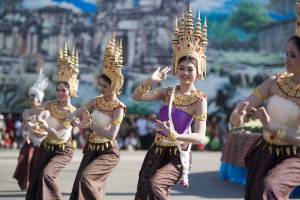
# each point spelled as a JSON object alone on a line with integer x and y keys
{"x": 163, "y": 141}
{"x": 273, "y": 140}
{"x": 99, "y": 146}
{"x": 159, "y": 149}
{"x": 93, "y": 138}
{"x": 279, "y": 150}
{"x": 51, "y": 147}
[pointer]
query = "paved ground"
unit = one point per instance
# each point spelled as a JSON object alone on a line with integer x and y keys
{"x": 204, "y": 180}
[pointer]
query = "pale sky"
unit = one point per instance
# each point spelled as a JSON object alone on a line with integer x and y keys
{"x": 34, "y": 4}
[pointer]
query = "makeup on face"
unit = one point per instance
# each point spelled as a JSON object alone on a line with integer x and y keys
{"x": 62, "y": 92}
{"x": 292, "y": 59}
{"x": 104, "y": 86}
{"x": 187, "y": 71}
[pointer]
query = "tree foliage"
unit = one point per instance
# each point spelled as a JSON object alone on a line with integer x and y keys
{"x": 249, "y": 17}
{"x": 220, "y": 33}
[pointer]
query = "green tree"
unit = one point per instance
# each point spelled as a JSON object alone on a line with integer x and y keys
{"x": 249, "y": 17}
{"x": 221, "y": 34}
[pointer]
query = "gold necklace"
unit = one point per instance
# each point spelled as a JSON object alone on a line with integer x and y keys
{"x": 287, "y": 85}
{"x": 108, "y": 106}
{"x": 60, "y": 115}
{"x": 186, "y": 100}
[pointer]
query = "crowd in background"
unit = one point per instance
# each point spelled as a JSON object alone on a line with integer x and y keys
{"x": 136, "y": 132}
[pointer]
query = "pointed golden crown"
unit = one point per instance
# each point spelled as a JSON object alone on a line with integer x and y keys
{"x": 297, "y": 30}
{"x": 190, "y": 41}
{"x": 67, "y": 69}
{"x": 113, "y": 63}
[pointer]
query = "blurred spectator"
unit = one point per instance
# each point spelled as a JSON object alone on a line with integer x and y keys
{"x": 127, "y": 126}
{"x": 10, "y": 126}
{"x": 2, "y": 129}
{"x": 83, "y": 136}
{"x": 18, "y": 133}
{"x": 214, "y": 133}
{"x": 151, "y": 126}
{"x": 75, "y": 137}
{"x": 141, "y": 125}
{"x": 7, "y": 141}
{"x": 223, "y": 128}
{"x": 131, "y": 141}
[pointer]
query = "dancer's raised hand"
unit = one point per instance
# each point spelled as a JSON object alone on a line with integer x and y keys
{"x": 159, "y": 75}
{"x": 239, "y": 113}
{"x": 262, "y": 115}
{"x": 85, "y": 120}
{"x": 163, "y": 128}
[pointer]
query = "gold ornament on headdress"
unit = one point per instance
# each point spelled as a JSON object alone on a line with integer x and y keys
{"x": 190, "y": 41}
{"x": 113, "y": 64}
{"x": 67, "y": 69}
{"x": 297, "y": 31}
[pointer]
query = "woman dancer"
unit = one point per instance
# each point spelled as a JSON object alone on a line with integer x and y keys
{"x": 168, "y": 161}
{"x": 101, "y": 153}
{"x": 273, "y": 163}
{"x": 56, "y": 150}
{"x": 32, "y": 134}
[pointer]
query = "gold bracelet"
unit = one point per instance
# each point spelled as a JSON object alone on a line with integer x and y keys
{"x": 117, "y": 122}
{"x": 67, "y": 123}
{"x": 258, "y": 94}
{"x": 281, "y": 133}
{"x": 172, "y": 136}
{"x": 143, "y": 90}
{"x": 201, "y": 117}
{"x": 89, "y": 124}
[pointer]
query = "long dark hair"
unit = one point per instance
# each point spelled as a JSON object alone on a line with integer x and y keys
{"x": 105, "y": 78}
{"x": 296, "y": 40}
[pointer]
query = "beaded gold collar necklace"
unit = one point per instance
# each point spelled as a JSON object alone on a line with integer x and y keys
{"x": 107, "y": 106}
{"x": 186, "y": 100}
{"x": 287, "y": 85}
{"x": 60, "y": 115}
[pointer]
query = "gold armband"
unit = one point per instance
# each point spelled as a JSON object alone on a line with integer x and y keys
{"x": 258, "y": 94}
{"x": 67, "y": 123}
{"x": 172, "y": 136}
{"x": 143, "y": 90}
{"x": 281, "y": 133}
{"x": 201, "y": 117}
{"x": 155, "y": 93}
{"x": 117, "y": 122}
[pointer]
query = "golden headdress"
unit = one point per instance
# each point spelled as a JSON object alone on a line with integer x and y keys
{"x": 297, "y": 30}
{"x": 67, "y": 69}
{"x": 190, "y": 41}
{"x": 113, "y": 63}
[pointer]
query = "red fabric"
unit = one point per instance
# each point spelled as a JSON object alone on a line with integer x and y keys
{"x": 10, "y": 126}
